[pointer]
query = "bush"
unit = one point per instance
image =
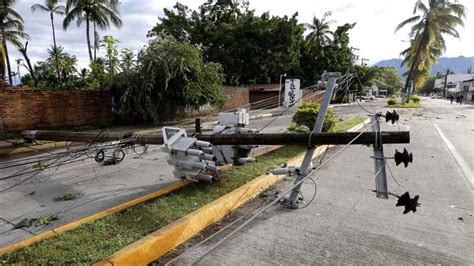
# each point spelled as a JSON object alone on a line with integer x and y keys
{"x": 306, "y": 115}
{"x": 392, "y": 101}
{"x": 415, "y": 99}
{"x": 172, "y": 77}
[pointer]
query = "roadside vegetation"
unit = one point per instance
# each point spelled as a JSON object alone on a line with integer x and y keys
{"x": 415, "y": 102}
{"x": 432, "y": 20}
{"x": 219, "y": 43}
{"x": 99, "y": 239}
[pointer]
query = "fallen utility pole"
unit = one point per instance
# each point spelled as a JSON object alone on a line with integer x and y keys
{"x": 300, "y": 139}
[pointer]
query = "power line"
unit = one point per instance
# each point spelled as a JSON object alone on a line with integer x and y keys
{"x": 279, "y": 198}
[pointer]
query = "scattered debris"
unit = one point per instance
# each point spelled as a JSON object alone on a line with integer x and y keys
{"x": 66, "y": 197}
{"x": 269, "y": 193}
{"x": 39, "y": 165}
{"x": 38, "y": 221}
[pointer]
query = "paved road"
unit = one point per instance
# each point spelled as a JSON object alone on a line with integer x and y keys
{"x": 98, "y": 187}
{"x": 348, "y": 224}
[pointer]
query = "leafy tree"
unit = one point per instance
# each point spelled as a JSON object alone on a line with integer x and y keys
{"x": 432, "y": 20}
{"x": 388, "y": 78}
{"x": 52, "y": 7}
{"x": 250, "y": 48}
{"x": 429, "y": 86}
{"x": 335, "y": 56}
{"x": 45, "y": 74}
{"x": 112, "y": 61}
{"x": 171, "y": 77}
{"x": 11, "y": 29}
{"x": 97, "y": 79}
{"x": 100, "y": 12}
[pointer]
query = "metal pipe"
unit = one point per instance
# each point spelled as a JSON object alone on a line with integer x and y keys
{"x": 300, "y": 139}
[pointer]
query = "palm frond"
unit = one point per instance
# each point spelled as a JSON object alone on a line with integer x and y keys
{"x": 39, "y": 7}
{"x": 406, "y": 22}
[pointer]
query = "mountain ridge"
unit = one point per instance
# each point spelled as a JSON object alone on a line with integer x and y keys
{"x": 458, "y": 64}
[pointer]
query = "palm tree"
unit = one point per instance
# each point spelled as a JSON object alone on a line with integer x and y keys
{"x": 52, "y": 7}
{"x": 320, "y": 34}
{"x": 100, "y": 12}
{"x": 11, "y": 30}
{"x": 66, "y": 62}
{"x": 110, "y": 45}
{"x": 431, "y": 22}
{"x": 127, "y": 60}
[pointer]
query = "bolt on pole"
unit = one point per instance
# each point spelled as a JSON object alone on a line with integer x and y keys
{"x": 292, "y": 200}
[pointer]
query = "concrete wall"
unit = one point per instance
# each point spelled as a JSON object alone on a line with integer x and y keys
{"x": 22, "y": 109}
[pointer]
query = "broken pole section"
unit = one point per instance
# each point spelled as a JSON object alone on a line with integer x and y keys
{"x": 298, "y": 139}
{"x": 305, "y": 168}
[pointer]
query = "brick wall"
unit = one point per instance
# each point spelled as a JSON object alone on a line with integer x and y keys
{"x": 22, "y": 109}
{"x": 235, "y": 97}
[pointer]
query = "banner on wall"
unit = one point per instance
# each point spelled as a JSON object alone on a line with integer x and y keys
{"x": 293, "y": 93}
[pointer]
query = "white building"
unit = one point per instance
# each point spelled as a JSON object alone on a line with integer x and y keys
{"x": 454, "y": 82}
{"x": 468, "y": 89}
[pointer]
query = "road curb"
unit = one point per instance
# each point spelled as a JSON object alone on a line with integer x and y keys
{"x": 93, "y": 217}
{"x": 33, "y": 148}
{"x": 72, "y": 225}
{"x": 162, "y": 241}
{"x": 165, "y": 239}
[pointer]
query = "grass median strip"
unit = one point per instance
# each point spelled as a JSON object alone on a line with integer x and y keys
{"x": 99, "y": 239}
{"x": 91, "y": 242}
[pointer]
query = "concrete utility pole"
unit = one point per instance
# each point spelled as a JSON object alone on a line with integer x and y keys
{"x": 381, "y": 188}
{"x": 300, "y": 139}
{"x": 446, "y": 82}
{"x": 18, "y": 62}
{"x": 363, "y": 60}
{"x": 292, "y": 200}
{"x": 279, "y": 90}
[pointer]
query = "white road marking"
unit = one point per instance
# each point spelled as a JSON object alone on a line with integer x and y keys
{"x": 466, "y": 170}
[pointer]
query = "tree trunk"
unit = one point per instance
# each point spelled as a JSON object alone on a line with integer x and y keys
{"x": 56, "y": 49}
{"x": 24, "y": 52}
{"x": 88, "y": 37}
{"x": 95, "y": 44}
{"x": 7, "y": 58}
{"x": 415, "y": 64}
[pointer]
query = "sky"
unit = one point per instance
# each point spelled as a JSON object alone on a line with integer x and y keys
{"x": 373, "y": 35}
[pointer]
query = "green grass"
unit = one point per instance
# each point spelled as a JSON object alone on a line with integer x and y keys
{"x": 348, "y": 124}
{"x": 96, "y": 240}
{"x": 99, "y": 239}
{"x": 405, "y": 105}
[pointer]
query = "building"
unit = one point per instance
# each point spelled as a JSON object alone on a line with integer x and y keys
{"x": 454, "y": 82}
{"x": 264, "y": 96}
{"x": 468, "y": 89}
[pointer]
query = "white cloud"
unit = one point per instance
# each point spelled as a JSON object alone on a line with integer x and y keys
{"x": 373, "y": 35}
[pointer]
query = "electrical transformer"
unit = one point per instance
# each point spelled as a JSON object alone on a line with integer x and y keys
{"x": 233, "y": 123}
{"x": 192, "y": 159}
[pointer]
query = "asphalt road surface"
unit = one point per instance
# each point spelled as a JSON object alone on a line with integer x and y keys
{"x": 347, "y": 224}
{"x": 95, "y": 186}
